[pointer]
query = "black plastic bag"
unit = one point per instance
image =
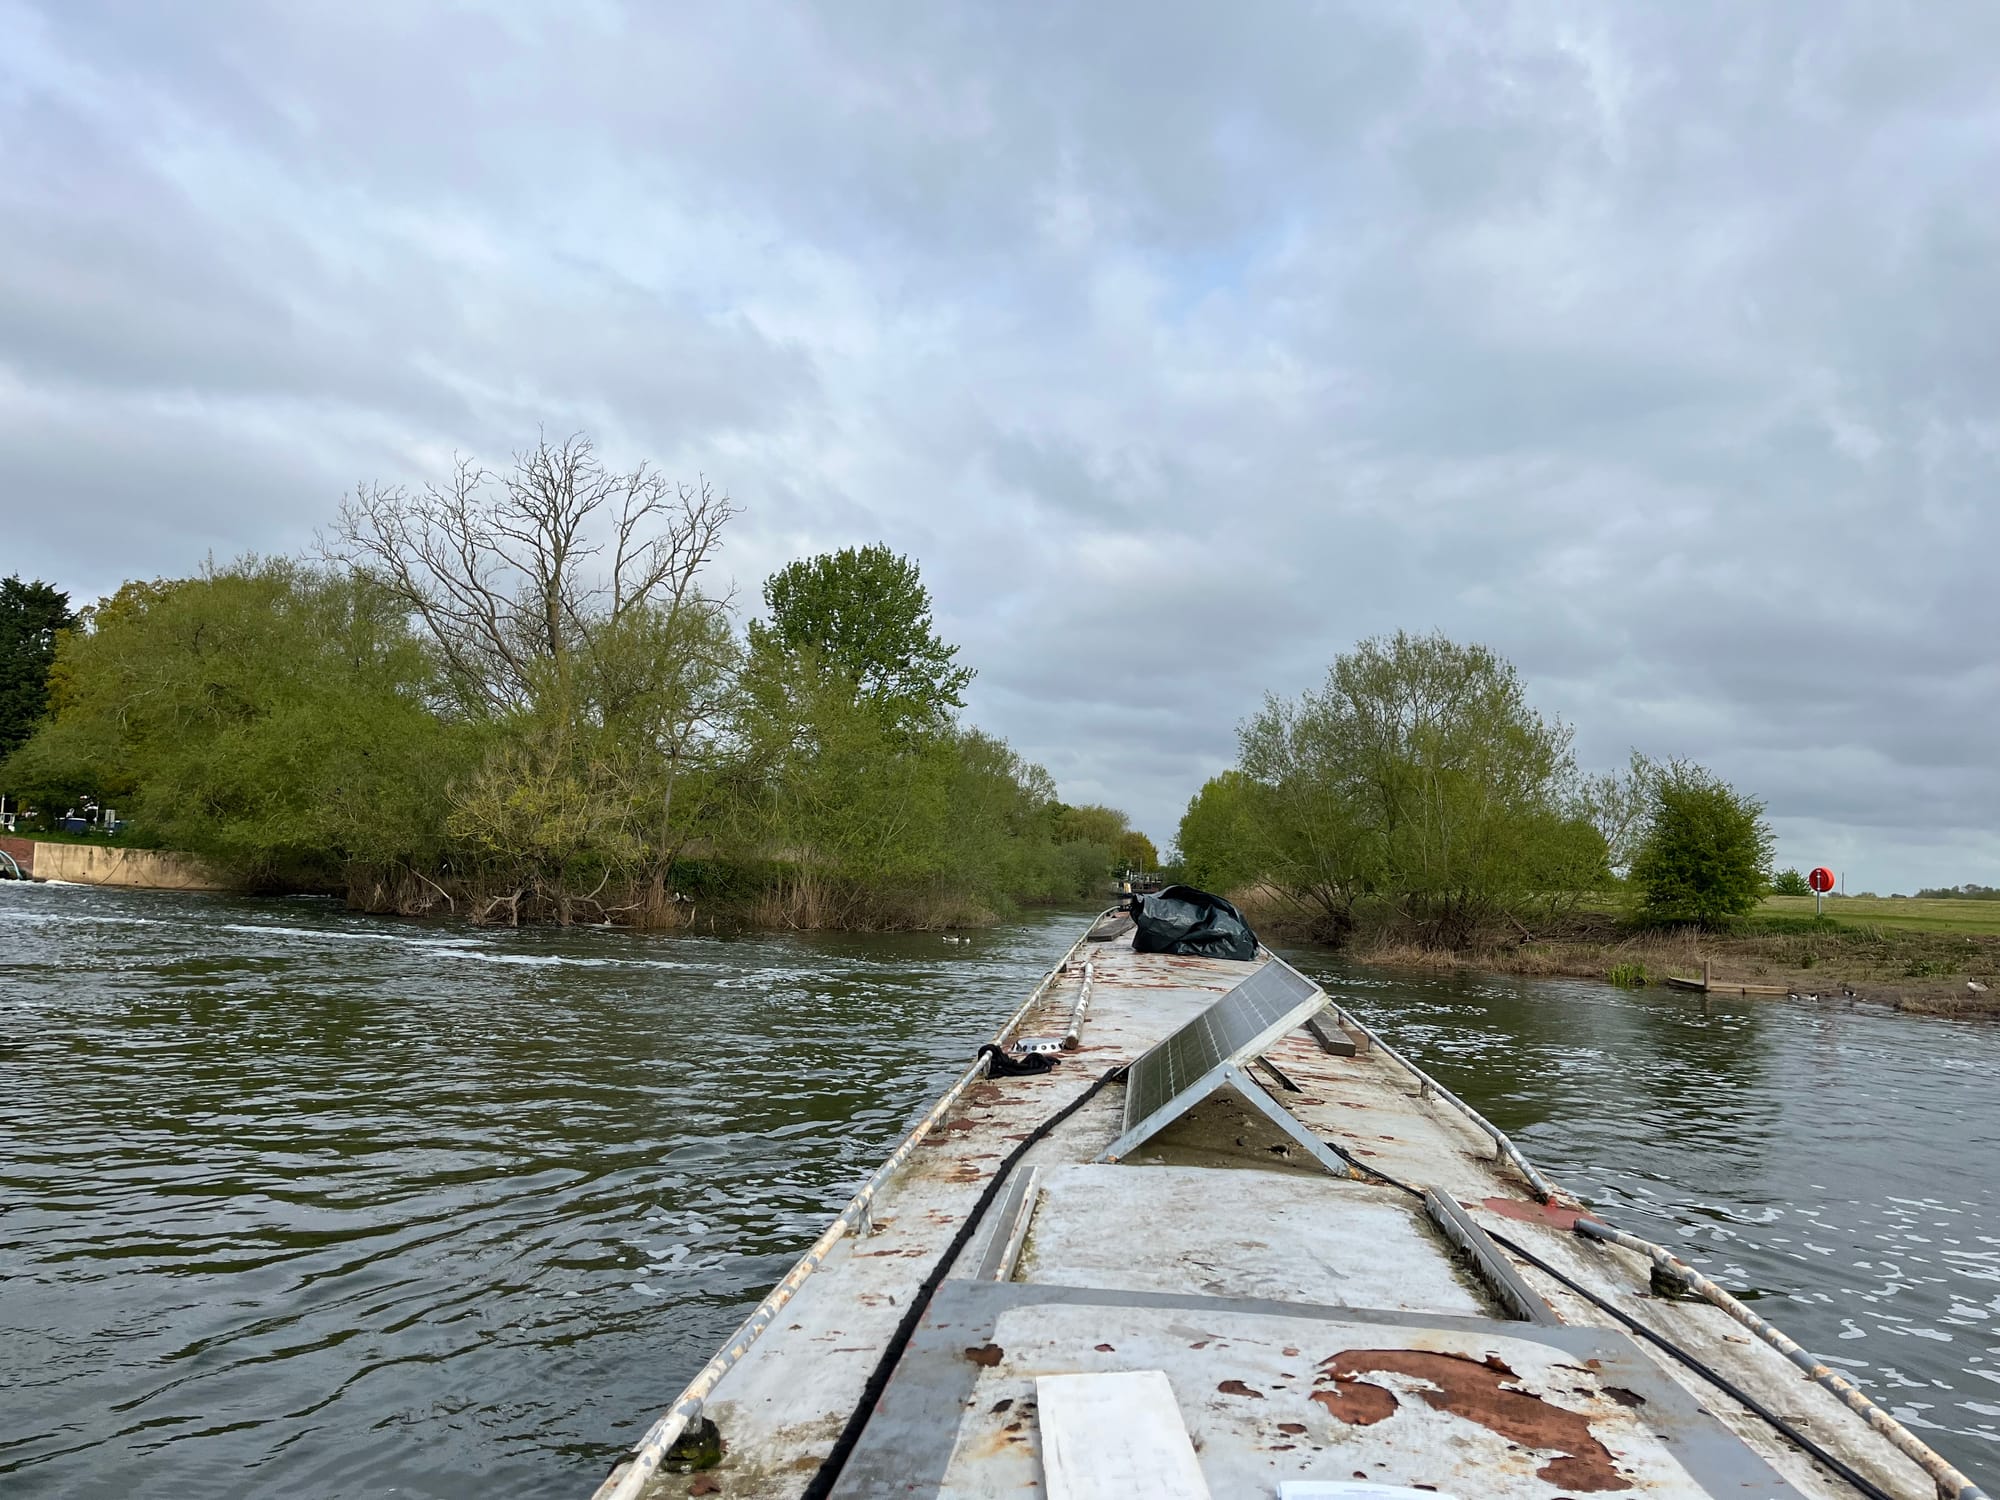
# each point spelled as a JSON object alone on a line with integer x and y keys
{"x": 1181, "y": 919}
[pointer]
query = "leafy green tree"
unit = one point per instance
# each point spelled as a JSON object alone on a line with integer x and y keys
{"x": 863, "y": 616}
{"x": 1136, "y": 852}
{"x": 1706, "y": 854}
{"x": 271, "y": 716}
{"x": 32, "y": 616}
{"x": 1418, "y": 775}
{"x": 1219, "y": 837}
{"x": 1091, "y": 823}
{"x": 1790, "y": 883}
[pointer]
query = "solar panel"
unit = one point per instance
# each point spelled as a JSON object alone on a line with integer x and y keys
{"x": 1235, "y": 1029}
{"x": 1210, "y": 1051}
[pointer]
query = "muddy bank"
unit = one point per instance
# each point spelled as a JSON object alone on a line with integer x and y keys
{"x": 1923, "y": 973}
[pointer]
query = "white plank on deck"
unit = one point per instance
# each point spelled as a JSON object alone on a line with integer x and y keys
{"x": 1115, "y": 1437}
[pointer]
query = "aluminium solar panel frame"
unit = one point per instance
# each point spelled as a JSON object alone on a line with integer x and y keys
{"x": 1258, "y": 1021}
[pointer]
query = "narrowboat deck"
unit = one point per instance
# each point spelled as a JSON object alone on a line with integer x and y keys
{"x": 1294, "y": 1278}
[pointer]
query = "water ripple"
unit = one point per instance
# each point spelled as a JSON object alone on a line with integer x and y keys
{"x": 293, "y": 1200}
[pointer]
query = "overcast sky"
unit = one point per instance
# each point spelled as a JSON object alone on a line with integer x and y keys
{"x": 1654, "y": 347}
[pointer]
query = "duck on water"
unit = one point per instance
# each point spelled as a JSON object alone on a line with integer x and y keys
{"x": 1231, "y": 1244}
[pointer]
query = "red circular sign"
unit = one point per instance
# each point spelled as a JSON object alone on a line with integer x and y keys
{"x": 1821, "y": 879}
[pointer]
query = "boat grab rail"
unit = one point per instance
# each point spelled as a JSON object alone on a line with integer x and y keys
{"x": 1951, "y": 1483}
{"x": 652, "y": 1448}
{"x": 1544, "y": 1190}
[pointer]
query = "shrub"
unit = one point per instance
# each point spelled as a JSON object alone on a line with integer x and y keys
{"x": 1628, "y": 976}
{"x": 1706, "y": 852}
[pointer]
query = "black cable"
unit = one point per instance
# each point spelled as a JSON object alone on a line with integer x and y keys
{"x": 823, "y": 1481}
{"x": 1715, "y": 1377}
{"x": 1707, "y": 1372}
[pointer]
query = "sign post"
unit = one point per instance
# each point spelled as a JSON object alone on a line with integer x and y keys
{"x": 1821, "y": 881}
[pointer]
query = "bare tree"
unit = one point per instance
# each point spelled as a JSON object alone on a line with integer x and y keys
{"x": 566, "y": 602}
{"x": 509, "y": 574}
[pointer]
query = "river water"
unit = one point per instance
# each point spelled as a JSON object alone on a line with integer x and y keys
{"x": 295, "y": 1201}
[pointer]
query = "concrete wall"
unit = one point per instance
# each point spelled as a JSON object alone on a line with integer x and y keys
{"x": 99, "y": 864}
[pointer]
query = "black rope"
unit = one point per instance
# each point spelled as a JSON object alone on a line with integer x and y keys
{"x": 1707, "y": 1372}
{"x": 828, "y": 1475}
{"x": 1000, "y": 1065}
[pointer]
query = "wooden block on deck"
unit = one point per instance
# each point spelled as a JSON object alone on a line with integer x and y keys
{"x": 1115, "y": 1437}
{"x": 1335, "y": 1038}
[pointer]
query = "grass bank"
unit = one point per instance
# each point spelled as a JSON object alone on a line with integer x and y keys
{"x": 1921, "y": 956}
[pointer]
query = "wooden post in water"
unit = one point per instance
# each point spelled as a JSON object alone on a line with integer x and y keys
{"x": 1704, "y": 976}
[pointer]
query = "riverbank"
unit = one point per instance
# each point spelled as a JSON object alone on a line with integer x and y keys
{"x": 1920, "y": 962}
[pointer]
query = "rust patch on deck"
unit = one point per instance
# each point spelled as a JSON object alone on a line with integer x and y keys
{"x": 1238, "y": 1388}
{"x": 1471, "y": 1389}
{"x": 985, "y": 1355}
{"x": 1531, "y": 1213}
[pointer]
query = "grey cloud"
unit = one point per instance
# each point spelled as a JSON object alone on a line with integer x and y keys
{"x": 1650, "y": 347}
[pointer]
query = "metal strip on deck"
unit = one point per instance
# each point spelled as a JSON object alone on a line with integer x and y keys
{"x": 1538, "y": 1411}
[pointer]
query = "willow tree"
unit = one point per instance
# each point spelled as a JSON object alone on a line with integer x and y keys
{"x": 1419, "y": 775}
{"x": 1220, "y": 840}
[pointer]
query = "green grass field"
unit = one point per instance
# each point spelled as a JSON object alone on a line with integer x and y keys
{"x": 1909, "y": 914}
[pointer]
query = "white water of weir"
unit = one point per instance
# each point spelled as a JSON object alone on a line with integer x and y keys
{"x": 296, "y": 1200}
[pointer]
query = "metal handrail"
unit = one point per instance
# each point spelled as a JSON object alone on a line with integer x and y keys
{"x": 1952, "y": 1484}
{"x": 1544, "y": 1190}
{"x": 652, "y": 1447}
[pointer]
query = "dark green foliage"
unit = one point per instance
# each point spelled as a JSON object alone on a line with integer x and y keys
{"x": 1968, "y": 892}
{"x": 863, "y": 616}
{"x": 270, "y": 716}
{"x": 1628, "y": 976}
{"x": 32, "y": 615}
{"x": 1706, "y": 854}
{"x": 1789, "y": 883}
{"x": 1780, "y": 925}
